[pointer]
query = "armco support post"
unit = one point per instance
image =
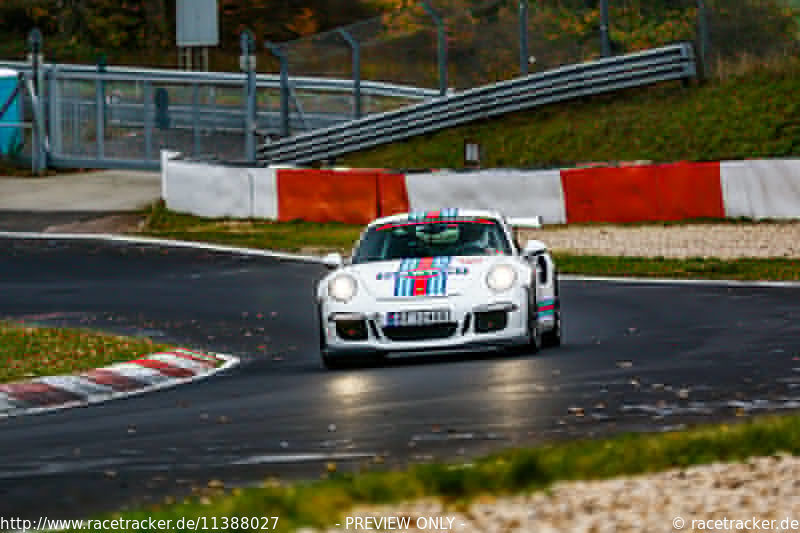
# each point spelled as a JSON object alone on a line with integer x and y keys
{"x": 523, "y": 37}
{"x": 441, "y": 33}
{"x": 703, "y": 37}
{"x": 355, "y": 46}
{"x": 605, "y": 39}
{"x": 248, "y": 58}
{"x": 280, "y": 53}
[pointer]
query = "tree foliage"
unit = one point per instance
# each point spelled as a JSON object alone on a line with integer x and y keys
{"x": 150, "y": 24}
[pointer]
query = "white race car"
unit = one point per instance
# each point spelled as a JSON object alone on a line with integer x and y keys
{"x": 448, "y": 280}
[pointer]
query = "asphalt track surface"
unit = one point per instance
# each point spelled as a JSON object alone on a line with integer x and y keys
{"x": 636, "y": 357}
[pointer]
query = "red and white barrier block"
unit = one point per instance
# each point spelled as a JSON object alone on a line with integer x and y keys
{"x": 676, "y": 191}
{"x": 148, "y": 373}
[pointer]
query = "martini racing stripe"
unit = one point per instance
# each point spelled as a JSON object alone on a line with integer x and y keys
{"x": 437, "y": 285}
{"x": 422, "y": 277}
{"x": 403, "y": 285}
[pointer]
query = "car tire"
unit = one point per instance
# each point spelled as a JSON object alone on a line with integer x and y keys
{"x": 552, "y": 338}
{"x": 534, "y": 330}
{"x": 328, "y": 362}
{"x": 333, "y": 363}
{"x": 347, "y": 360}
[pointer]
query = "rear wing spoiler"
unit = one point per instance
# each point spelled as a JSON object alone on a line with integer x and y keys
{"x": 525, "y": 222}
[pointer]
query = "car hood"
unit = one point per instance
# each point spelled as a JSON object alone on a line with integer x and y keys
{"x": 423, "y": 277}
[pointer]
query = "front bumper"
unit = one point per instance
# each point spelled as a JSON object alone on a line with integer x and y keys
{"x": 500, "y": 322}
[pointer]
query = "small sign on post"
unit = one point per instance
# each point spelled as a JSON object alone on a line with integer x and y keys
{"x": 472, "y": 154}
{"x": 197, "y": 24}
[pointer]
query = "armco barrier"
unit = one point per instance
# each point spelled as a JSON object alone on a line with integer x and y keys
{"x": 679, "y": 191}
{"x": 673, "y": 62}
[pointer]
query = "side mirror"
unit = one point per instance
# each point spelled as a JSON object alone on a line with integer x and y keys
{"x": 333, "y": 260}
{"x": 534, "y": 248}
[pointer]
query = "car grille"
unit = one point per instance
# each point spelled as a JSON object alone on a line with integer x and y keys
{"x": 420, "y": 333}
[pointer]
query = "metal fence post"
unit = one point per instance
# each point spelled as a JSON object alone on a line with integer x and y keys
{"x": 280, "y": 53}
{"x": 441, "y": 33}
{"x": 703, "y": 37}
{"x": 605, "y": 39}
{"x": 196, "y": 120}
{"x": 100, "y": 107}
{"x": 148, "y": 120}
{"x": 355, "y": 46}
{"x": 55, "y": 117}
{"x": 523, "y": 37}
{"x": 37, "y": 150}
{"x": 248, "y": 44}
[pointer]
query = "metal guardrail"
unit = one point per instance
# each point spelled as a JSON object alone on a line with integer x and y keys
{"x": 120, "y": 117}
{"x": 263, "y": 81}
{"x": 675, "y": 62}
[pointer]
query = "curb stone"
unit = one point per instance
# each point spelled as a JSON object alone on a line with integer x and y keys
{"x": 121, "y": 380}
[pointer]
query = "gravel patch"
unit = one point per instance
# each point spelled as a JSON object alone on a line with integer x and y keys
{"x": 723, "y": 241}
{"x": 762, "y": 489}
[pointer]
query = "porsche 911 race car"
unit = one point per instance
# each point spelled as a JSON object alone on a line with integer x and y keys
{"x": 448, "y": 280}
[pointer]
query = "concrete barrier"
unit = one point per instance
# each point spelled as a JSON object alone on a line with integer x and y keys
{"x": 761, "y": 188}
{"x": 517, "y": 193}
{"x": 678, "y": 191}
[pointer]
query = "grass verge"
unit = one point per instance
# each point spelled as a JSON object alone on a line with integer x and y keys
{"x": 312, "y": 237}
{"x": 296, "y": 236}
{"x": 322, "y": 503}
{"x": 693, "y": 268}
{"x": 30, "y": 351}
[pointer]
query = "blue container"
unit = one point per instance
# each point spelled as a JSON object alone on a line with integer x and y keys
{"x": 10, "y": 137}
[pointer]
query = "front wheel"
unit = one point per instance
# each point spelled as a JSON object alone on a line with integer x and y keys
{"x": 352, "y": 360}
{"x": 534, "y": 331}
{"x": 552, "y": 338}
{"x": 328, "y": 362}
{"x": 332, "y": 363}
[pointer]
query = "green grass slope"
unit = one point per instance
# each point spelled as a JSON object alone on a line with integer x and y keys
{"x": 749, "y": 115}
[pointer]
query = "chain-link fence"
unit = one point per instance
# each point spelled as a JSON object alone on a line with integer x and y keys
{"x": 747, "y": 34}
{"x": 484, "y": 42}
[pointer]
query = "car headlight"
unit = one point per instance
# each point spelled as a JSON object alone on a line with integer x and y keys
{"x": 342, "y": 288}
{"x": 501, "y": 278}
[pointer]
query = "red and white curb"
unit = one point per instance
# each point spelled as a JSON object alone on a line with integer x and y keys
{"x": 121, "y": 380}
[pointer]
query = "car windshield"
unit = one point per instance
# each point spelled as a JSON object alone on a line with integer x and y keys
{"x": 408, "y": 239}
